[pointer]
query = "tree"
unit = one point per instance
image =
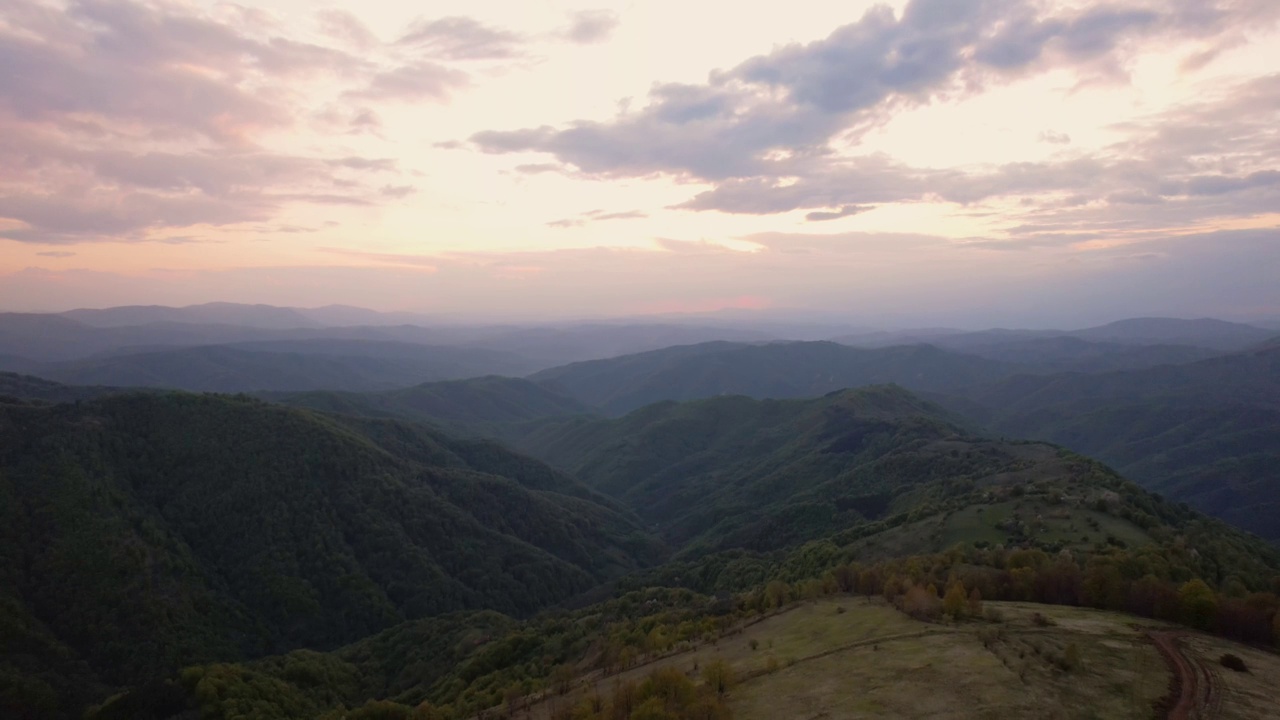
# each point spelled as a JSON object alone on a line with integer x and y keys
{"x": 921, "y": 604}
{"x": 1198, "y": 603}
{"x": 846, "y": 577}
{"x": 956, "y": 602}
{"x": 652, "y": 709}
{"x": 718, "y": 675}
{"x": 778, "y": 593}
{"x": 562, "y": 678}
{"x": 975, "y": 603}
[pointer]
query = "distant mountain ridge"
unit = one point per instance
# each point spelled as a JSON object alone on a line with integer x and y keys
{"x": 776, "y": 370}
{"x": 281, "y": 366}
{"x": 1208, "y": 333}
{"x": 484, "y": 404}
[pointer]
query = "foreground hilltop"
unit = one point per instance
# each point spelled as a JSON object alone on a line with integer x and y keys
{"x": 298, "y": 563}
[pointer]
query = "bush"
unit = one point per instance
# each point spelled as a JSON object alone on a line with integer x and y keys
{"x": 1234, "y": 662}
{"x": 1041, "y": 621}
{"x": 1070, "y": 658}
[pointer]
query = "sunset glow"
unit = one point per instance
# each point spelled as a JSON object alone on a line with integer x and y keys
{"x": 919, "y": 161}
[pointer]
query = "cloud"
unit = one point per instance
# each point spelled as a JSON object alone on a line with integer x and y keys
{"x": 122, "y": 61}
{"x": 415, "y": 82}
{"x": 769, "y": 135}
{"x": 590, "y": 26}
{"x": 597, "y": 216}
{"x": 397, "y": 191}
{"x": 461, "y": 38}
{"x": 125, "y": 120}
{"x": 1055, "y": 138}
{"x": 426, "y": 263}
{"x": 362, "y": 163}
{"x": 56, "y": 254}
{"x": 846, "y": 211}
{"x": 625, "y": 215}
{"x": 799, "y": 97}
{"x": 346, "y": 28}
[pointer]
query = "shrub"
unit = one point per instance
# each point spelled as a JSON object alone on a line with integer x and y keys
{"x": 1070, "y": 658}
{"x": 1041, "y": 621}
{"x": 754, "y": 643}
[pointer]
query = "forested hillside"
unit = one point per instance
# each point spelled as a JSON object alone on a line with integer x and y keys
{"x": 1207, "y": 433}
{"x": 725, "y": 473}
{"x": 478, "y": 404}
{"x": 28, "y": 387}
{"x": 144, "y": 532}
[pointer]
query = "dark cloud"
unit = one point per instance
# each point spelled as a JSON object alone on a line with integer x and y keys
{"x": 590, "y": 26}
{"x": 461, "y": 38}
{"x": 763, "y": 133}
{"x": 846, "y": 211}
{"x": 797, "y": 98}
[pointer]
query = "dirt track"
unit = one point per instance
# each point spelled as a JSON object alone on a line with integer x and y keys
{"x": 1193, "y": 689}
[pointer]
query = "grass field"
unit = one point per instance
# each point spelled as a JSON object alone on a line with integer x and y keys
{"x": 870, "y": 661}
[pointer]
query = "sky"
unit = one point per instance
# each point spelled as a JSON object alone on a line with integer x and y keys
{"x": 960, "y": 162}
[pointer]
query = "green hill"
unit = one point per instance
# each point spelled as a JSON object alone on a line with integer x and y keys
{"x": 28, "y": 387}
{"x": 477, "y": 404}
{"x": 1207, "y": 433}
{"x": 879, "y": 463}
{"x": 142, "y": 532}
{"x": 780, "y": 370}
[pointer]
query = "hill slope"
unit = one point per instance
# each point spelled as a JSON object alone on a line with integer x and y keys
{"x": 725, "y": 473}
{"x": 779, "y": 370}
{"x": 483, "y": 404}
{"x": 142, "y": 532}
{"x": 1207, "y": 433}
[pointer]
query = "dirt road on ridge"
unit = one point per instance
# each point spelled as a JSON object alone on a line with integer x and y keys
{"x": 1193, "y": 690}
